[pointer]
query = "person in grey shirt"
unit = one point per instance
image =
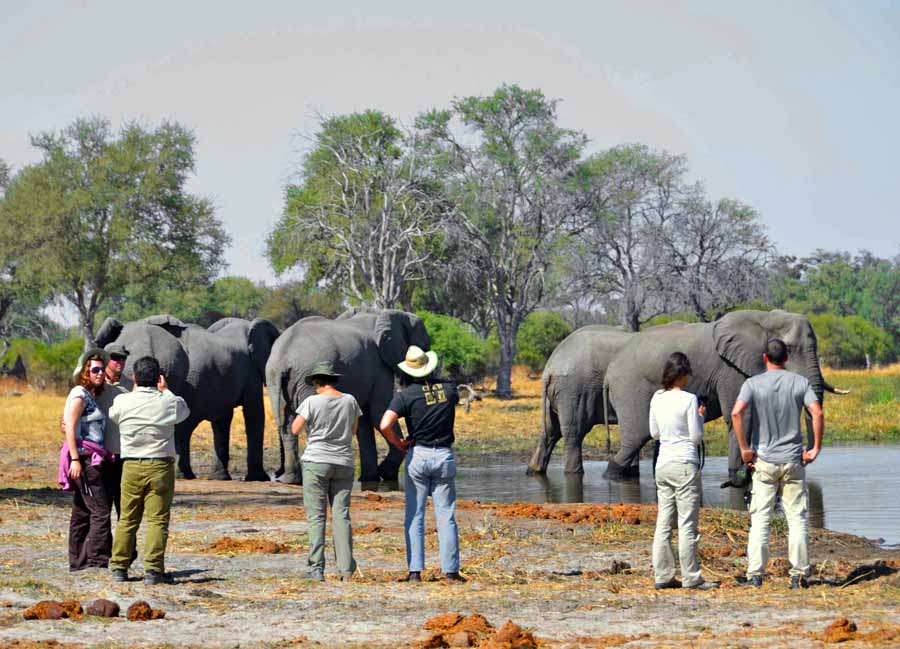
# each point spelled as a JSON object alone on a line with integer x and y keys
{"x": 331, "y": 419}
{"x": 775, "y": 400}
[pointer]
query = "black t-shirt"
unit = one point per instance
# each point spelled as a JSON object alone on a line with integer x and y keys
{"x": 430, "y": 410}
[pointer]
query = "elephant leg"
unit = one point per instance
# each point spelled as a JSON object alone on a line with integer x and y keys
{"x": 550, "y": 435}
{"x": 368, "y": 452}
{"x": 290, "y": 450}
{"x": 573, "y": 438}
{"x": 389, "y": 468}
{"x": 183, "y": 432}
{"x": 255, "y": 423}
{"x": 625, "y": 463}
{"x": 221, "y": 446}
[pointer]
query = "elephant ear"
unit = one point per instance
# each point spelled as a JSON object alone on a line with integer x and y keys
{"x": 220, "y": 324}
{"x": 109, "y": 331}
{"x": 395, "y": 331}
{"x": 170, "y": 323}
{"x": 741, "y": 340}
{"x": 260, "y": 338}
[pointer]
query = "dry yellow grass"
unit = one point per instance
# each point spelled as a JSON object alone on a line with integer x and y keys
{"x": 29, "y": 423}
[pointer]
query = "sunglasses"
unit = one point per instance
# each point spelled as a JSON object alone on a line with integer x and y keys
{"x": 96, "y": 370}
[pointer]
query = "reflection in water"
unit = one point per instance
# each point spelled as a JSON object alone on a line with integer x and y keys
{"x": 858, "y": 483}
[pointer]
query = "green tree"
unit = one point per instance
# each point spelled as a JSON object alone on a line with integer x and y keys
{"x": 290, "y": 301}
{"x": 541, "y": 332}
{"x": 509, "y": 170}
{"x": 102, "y": 212}
{"x": 462, "y": 352}
{"x": 362, "y": 214}
{"x": 851, "y": 341}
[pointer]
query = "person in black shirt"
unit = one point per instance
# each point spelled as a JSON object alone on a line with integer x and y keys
{"x": 429, "y": 406}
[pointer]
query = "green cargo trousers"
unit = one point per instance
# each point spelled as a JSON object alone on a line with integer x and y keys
{"x": 148, "y": 487}
{"x": 325, "y": 484}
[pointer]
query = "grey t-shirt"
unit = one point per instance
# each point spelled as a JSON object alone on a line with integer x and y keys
{"x": 92, "y": 423}
{"x": 776, "y": 399}
{"x": 329, "y": 428}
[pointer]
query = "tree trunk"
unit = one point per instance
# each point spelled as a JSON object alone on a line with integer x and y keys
{"x": 87, "y": 330}
{"x": 507, "y": 356}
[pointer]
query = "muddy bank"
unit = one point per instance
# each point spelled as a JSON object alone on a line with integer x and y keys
{"x": 564, "y": 575}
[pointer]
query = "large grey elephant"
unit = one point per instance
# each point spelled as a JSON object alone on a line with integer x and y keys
{"x": 365, "y": 346}
{"x": 722, "y": 354}
{"x": 571, "y": 393}
{"x": 216, "y": 370}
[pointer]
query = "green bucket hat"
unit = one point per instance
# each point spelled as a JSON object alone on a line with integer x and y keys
{"x": 321, "y": 369}
{"x": 93, "y": 352}
{"x": 742, "y": 477}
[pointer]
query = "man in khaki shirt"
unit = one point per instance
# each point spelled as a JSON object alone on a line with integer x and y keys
{"x": 146, "y": 418}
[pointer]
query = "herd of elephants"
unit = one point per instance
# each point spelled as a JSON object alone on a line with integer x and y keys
{"x": 597, "y": 375}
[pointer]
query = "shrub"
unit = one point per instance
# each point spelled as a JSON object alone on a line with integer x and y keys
{"x": 844, "y": 341}
{"x": 539, "y": 335}
{"x": 462, "y": 352}
{"x": 47, "y": 366}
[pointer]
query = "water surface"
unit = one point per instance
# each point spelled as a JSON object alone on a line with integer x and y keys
{"x": 853, "y": 489}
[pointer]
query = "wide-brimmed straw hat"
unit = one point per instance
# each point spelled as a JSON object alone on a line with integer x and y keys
{"x": 93, "y": 352}
{"x": 321, "y": 370}
{"x": 419, "y": 363}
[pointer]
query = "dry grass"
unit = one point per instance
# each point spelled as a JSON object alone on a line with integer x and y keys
{"x": 29, "y": 424}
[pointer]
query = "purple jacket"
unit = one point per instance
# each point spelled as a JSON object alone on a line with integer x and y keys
{"x": 98, "y": 455}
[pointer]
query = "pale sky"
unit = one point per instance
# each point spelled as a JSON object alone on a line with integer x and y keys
{"x": 790, "y": 107}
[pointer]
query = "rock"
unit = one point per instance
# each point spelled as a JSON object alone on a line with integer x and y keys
{"x": 461, "y": 639}
{"x": 45, "y": 610}
{"x": 140, "y": 611}
{"x": 840, "y": 630}
{"x": 103, "y": 608}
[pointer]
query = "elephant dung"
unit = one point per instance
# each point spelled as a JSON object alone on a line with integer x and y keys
{"x": 103, "y": 608}
{"x": 840, "y": 630}
{"x": 141, "y": 611}
{"x": 45, "y": 610}
{"x": 511, "y": 636}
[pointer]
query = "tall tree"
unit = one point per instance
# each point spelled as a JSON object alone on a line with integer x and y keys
{"x": 365, "y": 206}
{"x": 102, "y": 212}
{"x": 635, "y": 195}
{"x": 716, "y": 256}
{"x": 509, "y": 169}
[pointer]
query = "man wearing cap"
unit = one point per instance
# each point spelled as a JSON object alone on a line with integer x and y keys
{"x": 146, "y": 418}
{"x": 331, "y": 419}
{"x": 429, "y": 406}
{"x": 112, "y": 477}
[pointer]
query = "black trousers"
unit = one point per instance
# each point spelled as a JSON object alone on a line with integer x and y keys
{"x": 90, "y": 536}
{"x": 112, "y": 480}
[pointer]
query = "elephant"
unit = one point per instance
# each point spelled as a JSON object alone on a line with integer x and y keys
{"x": 215, "y": 370}
{"x": 722, "y": 354}
{"x": 364, "y": 345}
{"x": 571, "y": 393}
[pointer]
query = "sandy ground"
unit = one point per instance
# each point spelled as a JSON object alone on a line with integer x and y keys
{"x": 574, "y": 575}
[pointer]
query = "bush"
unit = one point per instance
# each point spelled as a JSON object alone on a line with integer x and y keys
{"x": 539, "y": 335}
{"x": 462, "y": 352}
{"x": 48, "y": 366}
{"x": 844, "y": 341}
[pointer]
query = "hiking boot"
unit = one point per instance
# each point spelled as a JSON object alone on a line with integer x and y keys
{"x": 798, "y": 581}
{"x": 455, "y": 576}
{"x": 755, "y": 581}
{"x": 119, "y": 574}
{"x": 703, "y": 585}
{"x": 672, "y": 583}
{"x": 154, "y": 578}
{"x": 412, "y": 576}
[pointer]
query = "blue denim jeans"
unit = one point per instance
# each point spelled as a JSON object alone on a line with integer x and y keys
{"x": 431, "y": 472}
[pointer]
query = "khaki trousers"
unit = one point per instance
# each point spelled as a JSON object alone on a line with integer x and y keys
{"x": 328, "y": 484}
{"x": 678, "y": 493}
{"x": 768, "y": 481}
{"x": 148, "y": 487}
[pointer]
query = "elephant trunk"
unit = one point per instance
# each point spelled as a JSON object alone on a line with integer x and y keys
{"x": 833, "y": 390}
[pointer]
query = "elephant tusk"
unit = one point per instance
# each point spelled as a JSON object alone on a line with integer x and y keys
{"x": 834, "y": 390}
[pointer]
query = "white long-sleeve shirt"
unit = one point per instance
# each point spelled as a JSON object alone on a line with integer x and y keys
{"x": 676, "y": 423}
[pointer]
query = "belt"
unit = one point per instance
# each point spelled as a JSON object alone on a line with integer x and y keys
{"x": 148, "y": 459}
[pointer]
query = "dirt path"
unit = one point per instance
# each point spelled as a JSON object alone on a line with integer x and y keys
{"x": 575, "y": 575}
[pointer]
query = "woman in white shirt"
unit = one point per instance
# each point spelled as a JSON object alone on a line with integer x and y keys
{"x": 676, "y": 420}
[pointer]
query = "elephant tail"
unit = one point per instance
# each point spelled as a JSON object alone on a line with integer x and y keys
{"x": 606, "y": 418}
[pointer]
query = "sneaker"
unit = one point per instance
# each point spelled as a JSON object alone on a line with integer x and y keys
{"x": 672, "y": 583}
{"x": 119, "y": 574}
{"x": 755, "y": 581}
{"x": 703, "y": 585}
{"x": 455, "y": 576}
{"x": 154, "y": 578}
{"x": 316, "y": 575}
{"x": 798, "y": 581}
{"x": 412, "y": 576}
